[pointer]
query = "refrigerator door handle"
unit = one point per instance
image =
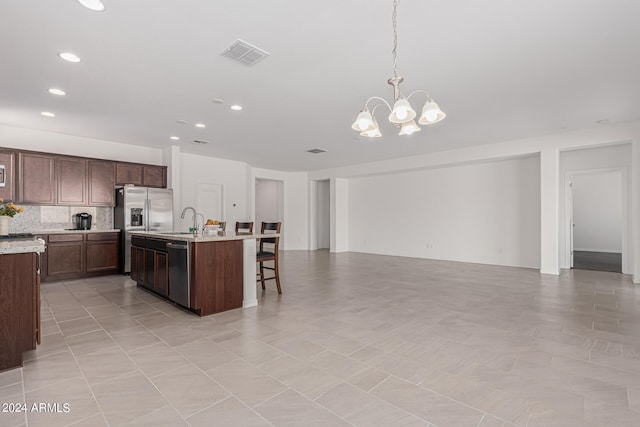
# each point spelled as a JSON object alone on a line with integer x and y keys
{"x": 147, "y": 214}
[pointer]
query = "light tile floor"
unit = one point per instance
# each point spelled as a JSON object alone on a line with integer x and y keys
{"x": 354, "y": 340}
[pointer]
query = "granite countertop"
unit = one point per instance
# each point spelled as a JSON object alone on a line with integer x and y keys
{"x": 115, "y": 230}
{"x": 21, "y": 246}
{"x": 214, "y": 237}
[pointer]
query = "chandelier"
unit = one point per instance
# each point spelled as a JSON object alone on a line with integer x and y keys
{"x": 402, "y": 115}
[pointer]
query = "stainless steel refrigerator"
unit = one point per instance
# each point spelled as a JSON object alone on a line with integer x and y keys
{"x": 141, "y": 209}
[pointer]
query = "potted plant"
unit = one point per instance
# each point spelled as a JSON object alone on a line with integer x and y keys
{"x": 7, "y": 211}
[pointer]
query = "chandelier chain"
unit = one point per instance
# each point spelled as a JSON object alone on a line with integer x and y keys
{"x": 394, "y": 22}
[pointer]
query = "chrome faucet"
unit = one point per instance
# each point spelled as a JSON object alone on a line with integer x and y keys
{"x": 195, "y": 225}
{"x": 202, "y": 227}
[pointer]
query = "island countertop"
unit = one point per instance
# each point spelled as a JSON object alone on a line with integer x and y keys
{"x": 21, "y": 246}
{"x": 214, "y": 237}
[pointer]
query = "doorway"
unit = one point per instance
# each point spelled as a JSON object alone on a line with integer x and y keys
{"x": 270, "y": 204}
{"x": 596, "y": 216}
{"x": 323, "y": 215}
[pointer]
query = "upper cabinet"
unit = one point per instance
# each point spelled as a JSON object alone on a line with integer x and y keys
{"x": 128, "y": 173}
{"x": 7, "y": 175}
{"x": 71, "y": 173}
{"x": 137, "y": 174}
{"x": 49, "y": 179}
{"x": 36, "y": 179}
{"x": 101, "y": 181}
{"x": 154, "y": 176}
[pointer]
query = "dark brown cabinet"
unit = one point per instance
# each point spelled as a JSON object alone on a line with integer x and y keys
{"x": 36, "y": 179}
{"x": 71, "y": 174}
{"x": 128, "y": 173}
{"x": 101, "y": 179}
{"x": 65, "y": 256}
{"x": 154, "y": 176}
{"x": 102, "y": 252}
{"x": 77, "y": 255}
{"x": 48, "y": 179}
{"x": 150, "y": 264}
{"x": 19, "y": 307}
{"x": 161, "y": 267}
{"x": 7, "y": 175}
{"x": 216, "y": 276}
{"x": 138, "y": 174}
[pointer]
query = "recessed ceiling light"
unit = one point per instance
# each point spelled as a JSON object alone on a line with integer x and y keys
{"x": 316, "y": 151}
{"x": 181, "y": 122}
{"x": 201, "y": 125}
{"x": 175, "y": 138}
{"x": 95, "y": 5}
{"x": 47, "y": 114}
{"x": 58, "y": 92}
{"x": 218, "y": 101}
{"x": 236, "y": 107}
{"x": 68, "y": 56}
{"x": 199, "y": 141}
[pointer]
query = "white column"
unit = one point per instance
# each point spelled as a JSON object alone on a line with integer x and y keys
{"x": 250, "y": 297}
{"x": 549, "y": 193}
{"x": 635, "y": 211}
{"x": 339, "y": 215}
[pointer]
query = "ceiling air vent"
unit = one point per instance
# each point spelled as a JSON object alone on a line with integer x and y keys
{"x": 316, "y": 151}
{"x": 199, "y": 141}
{"x": 245, "y": 53}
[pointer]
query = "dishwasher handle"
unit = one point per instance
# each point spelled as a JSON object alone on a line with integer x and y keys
{"x": 178, "y": 246}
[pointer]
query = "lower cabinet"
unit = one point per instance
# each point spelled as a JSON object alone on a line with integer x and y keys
{"x": 102, "y": 252}
{"x": 78, "y": 255}
{"x": 150, "y": 264}
{"x": 19, "y": 307}
{"x": 65, "y": 255}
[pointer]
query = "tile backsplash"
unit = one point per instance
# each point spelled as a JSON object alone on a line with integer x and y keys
{"x": 41, "y": 218}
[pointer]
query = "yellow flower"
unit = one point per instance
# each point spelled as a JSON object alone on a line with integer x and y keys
{"x": 1, "y": 199}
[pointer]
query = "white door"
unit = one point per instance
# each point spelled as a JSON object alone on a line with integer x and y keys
{"x": 209, "y": 201}
{"x": 571, "y": 223}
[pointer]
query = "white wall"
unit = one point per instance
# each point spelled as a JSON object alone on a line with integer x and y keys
{"x": 485, "y": 213}
{"x": 51, "y": 142}
{"x": 269, "y": 200}
{"x": 598, "y": 159}
{"x": 229, "y": 174}
{"x": 296, "y": 205}
{"x": 323, "y": 215}
{"x": 597, "y": 212}
{"x": 270, "y": 204}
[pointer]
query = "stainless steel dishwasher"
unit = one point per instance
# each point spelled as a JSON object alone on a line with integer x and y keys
{"x": 179, "y": 274}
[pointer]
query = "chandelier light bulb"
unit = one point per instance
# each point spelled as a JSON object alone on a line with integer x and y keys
{"x": 373, "y": 131}
{"x": 363, "y": 122}
{"x": 409, "y": 127}
{"x": 431, "y": 113}
{"x": 402, "y": 112}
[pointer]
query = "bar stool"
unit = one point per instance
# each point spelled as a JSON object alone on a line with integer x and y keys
{"x": 244, "y": 227}
{"x": 264, "y": 254}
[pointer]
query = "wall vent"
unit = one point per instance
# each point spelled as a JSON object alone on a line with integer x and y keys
{"x": 199, "y": 141}
{"x": 316, "y": 151}
{"x": 245, "y": 53}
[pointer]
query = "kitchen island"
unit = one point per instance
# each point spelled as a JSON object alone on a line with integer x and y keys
{"x": 19, "y": 299}
{"x": 206, "y": 274}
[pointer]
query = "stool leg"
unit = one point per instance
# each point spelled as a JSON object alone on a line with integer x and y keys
{"x": 262, "y": 275}
{"x": 277, "y": 276}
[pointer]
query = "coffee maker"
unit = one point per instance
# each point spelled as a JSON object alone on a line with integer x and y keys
{"x": 82, "y": 221}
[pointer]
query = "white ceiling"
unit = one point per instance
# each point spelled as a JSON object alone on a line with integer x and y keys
{"x": 501, "y": 70}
